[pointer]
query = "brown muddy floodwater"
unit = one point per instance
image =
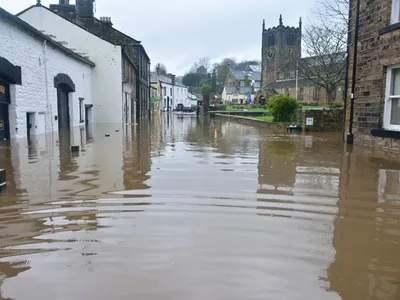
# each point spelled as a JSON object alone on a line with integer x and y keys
{"x": 188, "y": 209}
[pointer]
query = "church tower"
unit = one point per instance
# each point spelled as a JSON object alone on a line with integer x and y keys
{"x": 281, "y": 49}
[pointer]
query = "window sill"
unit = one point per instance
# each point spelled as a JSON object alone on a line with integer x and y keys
{"x": 389, "y": 28}
{"x": 384, "y": 133}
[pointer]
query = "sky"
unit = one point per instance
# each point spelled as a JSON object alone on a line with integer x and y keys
{"x": 178, "y": 32}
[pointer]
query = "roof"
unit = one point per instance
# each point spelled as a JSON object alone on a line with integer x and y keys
{"x": 136, "y": 42}
{"x": 240, "y": 75}
{"x": 255, "y": 68}
{"x": 164, "y": 79}
{"x": 238, "y": 89}
{"x": 28, "y": 28}
{"x": 288, "y": 83}
{"x": 325, "y": 59}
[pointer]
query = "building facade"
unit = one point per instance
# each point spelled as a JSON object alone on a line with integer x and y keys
{"x": 281, "y": 58}
{"x": 373, "y": 95}
{"x": 110, "y": 64}
{"x": 44, "y": 86}
{"x": 237, "y": 95}
{"x": 171, "y": 91}
{"x": 82, "y": 15}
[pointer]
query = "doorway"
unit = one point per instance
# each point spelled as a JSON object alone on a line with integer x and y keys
{"x": 63, "y": 107}
{"x": 4, "y": 113}
{"x": 30, "y": 124}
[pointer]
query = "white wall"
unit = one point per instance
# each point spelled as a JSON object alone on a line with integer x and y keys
{"x": 180, "y": 96}
{"x": 106, "y": 76}
{"x": 167, "y": 87}
{"x": 37, "y": 93}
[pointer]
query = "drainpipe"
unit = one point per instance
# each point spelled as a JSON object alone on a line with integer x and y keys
{"x": 350, "y": 136}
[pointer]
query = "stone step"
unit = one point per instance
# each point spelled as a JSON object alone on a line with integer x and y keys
{"x": 3, "y": 182}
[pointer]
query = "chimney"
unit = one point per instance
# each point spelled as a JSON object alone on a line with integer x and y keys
{"x": 63, "y": 2}
{"x": 84, "y": 8}
{"x": 158, "y": 70}
{"x": 106, "y": 20}
{"x": 173, "y": 79}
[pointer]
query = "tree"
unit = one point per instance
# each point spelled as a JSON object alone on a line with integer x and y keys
{"x": 325, "y": 42}
{"x": 214, "y": 81}
{"x": 206, "y": 88}
{"x": 194, "y": 79}
{"x": 199, "y": 66}
{"x": 246, "y": 81}
{"x": 161, "y": 69}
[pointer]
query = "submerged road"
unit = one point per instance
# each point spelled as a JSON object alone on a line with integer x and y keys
{"x": 198, "y": 209}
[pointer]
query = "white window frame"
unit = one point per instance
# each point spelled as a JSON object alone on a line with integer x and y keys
{"x": 388, "y": 102}
{"x": 395, "y": 16}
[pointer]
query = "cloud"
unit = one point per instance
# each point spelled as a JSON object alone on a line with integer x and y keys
{"x": 178, "y": 32}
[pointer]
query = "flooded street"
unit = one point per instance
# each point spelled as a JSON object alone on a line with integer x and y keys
{"x": 198, "y": 209}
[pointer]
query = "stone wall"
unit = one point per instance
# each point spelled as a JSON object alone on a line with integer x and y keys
{"x": 378, "y": 48}
{"x": 322, "y": 119}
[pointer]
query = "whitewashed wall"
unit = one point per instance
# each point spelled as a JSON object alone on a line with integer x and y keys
{"x": 180, "y": 95}
{"x": 106, "y": 76}
{"x": 166, "y": 89}
{"x": 37, "y": 94}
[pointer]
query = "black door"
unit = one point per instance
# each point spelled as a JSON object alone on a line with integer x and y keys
{"x": 63, "y": 108}
{"x": 4, "y": 118}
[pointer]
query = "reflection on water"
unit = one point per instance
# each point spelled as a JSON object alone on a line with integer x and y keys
{"x": 187, "y": 208}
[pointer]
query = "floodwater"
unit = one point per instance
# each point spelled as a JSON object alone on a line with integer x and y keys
{"x": 198, "y": 209}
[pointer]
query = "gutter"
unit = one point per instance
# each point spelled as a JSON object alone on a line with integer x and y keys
{"x": 350, "y": 135}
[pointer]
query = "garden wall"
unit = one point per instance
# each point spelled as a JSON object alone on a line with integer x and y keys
{"x": 321, "y": 119}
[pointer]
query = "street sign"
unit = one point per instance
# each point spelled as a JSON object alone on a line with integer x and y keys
{"x": 309, "y": 121}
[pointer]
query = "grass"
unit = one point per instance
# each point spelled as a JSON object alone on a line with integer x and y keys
{"x": 263, "y": 118}
{"x": 249, "y": 108}
{"x": 305, "y": 107}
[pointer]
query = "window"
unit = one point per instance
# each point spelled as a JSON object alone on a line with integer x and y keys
{"x": 316, "y": 92}
{"x": 392, "y": 105}
{"x": 170, "y": 90}
{"x": 290, "y": 39}
{"x": 301, "y": 94}
{"x": 395, "y": 11}
{"x": 271, "y": 40}
{"x": 81, "y": 110}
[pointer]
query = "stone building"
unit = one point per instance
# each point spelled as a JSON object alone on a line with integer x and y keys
{"x": 373, "y": 94}
{"x": 136, "y": 78}
{"x": 281, "y": 56}
{"x": 44, "y": 86}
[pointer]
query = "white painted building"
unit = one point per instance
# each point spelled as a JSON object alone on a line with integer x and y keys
{"x": 172, "y": 91}
{"x": 110, "y": 78}
{"x": 43, "y": 85}
{"x": 181, "y": 94}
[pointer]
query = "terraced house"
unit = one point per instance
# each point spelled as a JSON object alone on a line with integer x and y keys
{"x": 373, "y": 94}
{"x": 77, "y": 26}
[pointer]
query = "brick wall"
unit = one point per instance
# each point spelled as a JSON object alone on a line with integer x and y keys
{"x": 323, "y": 119}
{"x": 375, "y": 53}
{"x": 37, "y": 93}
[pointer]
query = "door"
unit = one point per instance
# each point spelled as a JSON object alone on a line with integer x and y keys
{"x": 4, "y": 117}
{"x": 62, "y": 108}
{"x": 4, "y": 125}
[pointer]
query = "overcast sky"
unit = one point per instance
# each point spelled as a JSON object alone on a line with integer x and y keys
{"x": 178, "y": 32}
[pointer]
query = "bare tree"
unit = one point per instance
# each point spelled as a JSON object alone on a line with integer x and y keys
{"x": 325, "y": 41}
{"x": 202, "y": 64}
{"x": 160, "y": 69}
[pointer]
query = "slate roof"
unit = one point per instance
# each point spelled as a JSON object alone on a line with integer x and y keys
{"x": 255, "y": 68}
{"x": 240, "y": 75}
{"x": 38, "y": 34}
{"x": 164, "y": 79}
{"x": 238, "y": 89}
{"x": 327, "y": 59}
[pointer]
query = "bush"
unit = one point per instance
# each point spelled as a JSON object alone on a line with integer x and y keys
{"x": 283, "y": 108}
{"x": 336, "y": 105}
{"x": 220, "y": 107}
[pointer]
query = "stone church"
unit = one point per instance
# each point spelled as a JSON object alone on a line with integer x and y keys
{"x": 281, "y": 54}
